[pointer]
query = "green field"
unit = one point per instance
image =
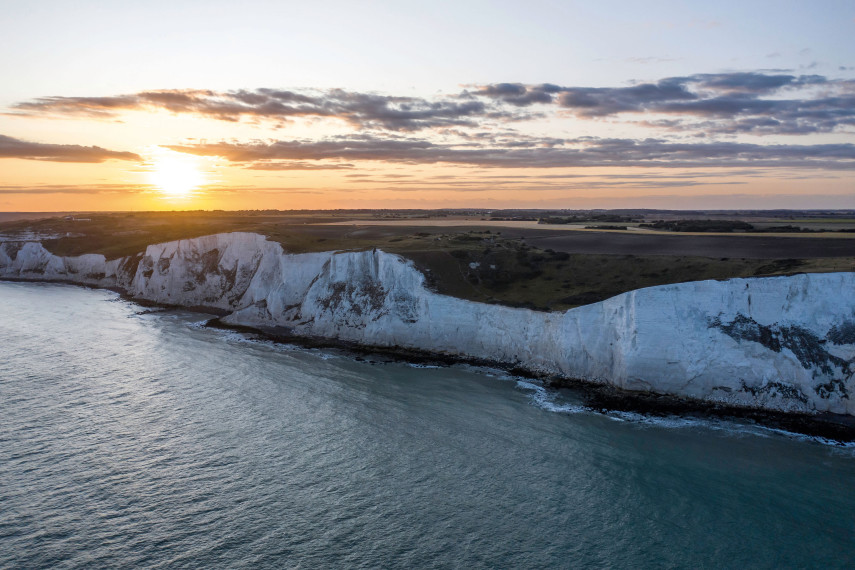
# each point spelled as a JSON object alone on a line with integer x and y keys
{"x": 480, "y": 264}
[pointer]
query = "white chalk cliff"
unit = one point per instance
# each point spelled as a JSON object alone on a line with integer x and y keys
{"x": 782, "y": 343}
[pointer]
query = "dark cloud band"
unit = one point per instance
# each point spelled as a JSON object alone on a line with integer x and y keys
{"x": 364, "y": 110}
{"x": 16, "y": 148}
{"x": 725, "y": 103}
{"x": 587, "y": 152}
{"x": 730, "y": 103}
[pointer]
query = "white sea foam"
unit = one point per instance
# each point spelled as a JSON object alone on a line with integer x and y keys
{"x": 547, "y": 399}
{"x": 323, "y": 355}
{"x": 845, "y": 445}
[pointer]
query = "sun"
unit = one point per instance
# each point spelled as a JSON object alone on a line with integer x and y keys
{"x": 175, "y": 174}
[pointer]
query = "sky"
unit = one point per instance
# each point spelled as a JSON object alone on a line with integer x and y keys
{"x": 538, "y": 104}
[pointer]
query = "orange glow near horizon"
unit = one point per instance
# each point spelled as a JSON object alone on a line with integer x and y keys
{"x": 164, "y": 179}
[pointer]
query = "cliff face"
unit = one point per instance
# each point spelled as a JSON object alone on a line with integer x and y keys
{"x": 784, "y": 343}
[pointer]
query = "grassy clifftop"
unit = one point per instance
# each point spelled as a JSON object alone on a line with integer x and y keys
{"x": 477, "y": 263}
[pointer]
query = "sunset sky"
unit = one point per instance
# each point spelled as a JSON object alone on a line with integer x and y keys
{"x": 249, "y": 105}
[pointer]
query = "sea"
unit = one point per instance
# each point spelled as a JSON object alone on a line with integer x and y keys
{"x": 136, "y": 437}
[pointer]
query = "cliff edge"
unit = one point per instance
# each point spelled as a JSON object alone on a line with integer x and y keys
{"x": 777, "y": 343}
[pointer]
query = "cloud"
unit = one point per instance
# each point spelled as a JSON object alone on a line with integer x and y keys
{"x": 16, "y": 148}
{"x": 299, "y": 165}
{"x": 462, "y": 183}
{"x": 75, "y": 189}
{"x": 582, "y": 152}
{"x": 755, "y": 102}
{"x": 88, "y": 189}
{"x": 602, "y": 101}
{"x": 740, "y": 102}
{"x": 363, "y": 110}
{"x": 48, "y": 190}
{"x": 517, "y": 94}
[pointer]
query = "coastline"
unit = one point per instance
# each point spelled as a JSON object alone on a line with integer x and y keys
{"x": 596, "y": 397}
{"x": 775, "y": 343}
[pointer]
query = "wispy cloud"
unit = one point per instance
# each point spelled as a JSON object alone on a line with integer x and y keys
{"x": 75, "y": 189}
{"x": 751, "y": 102}
{"x": 517, "y": 94}
{"x": 757, "y": 102}
{"x": 17, "y": 148}
{"x": 364, "y": 110}
{"x": 106, "y": 189}
{"x": 299, "y": 165}
{"x": 581, "y": 152}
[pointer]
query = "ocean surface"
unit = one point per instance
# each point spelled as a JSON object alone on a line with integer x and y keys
{"x": 131, "y": 438}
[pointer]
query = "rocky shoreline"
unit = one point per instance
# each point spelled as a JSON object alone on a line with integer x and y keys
{"x": 599, "y": 398}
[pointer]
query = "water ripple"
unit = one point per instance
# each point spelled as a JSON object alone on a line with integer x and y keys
{"x": 147, "y": 440}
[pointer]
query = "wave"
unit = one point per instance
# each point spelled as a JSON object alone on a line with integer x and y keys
{"x": 550, "y": 401}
